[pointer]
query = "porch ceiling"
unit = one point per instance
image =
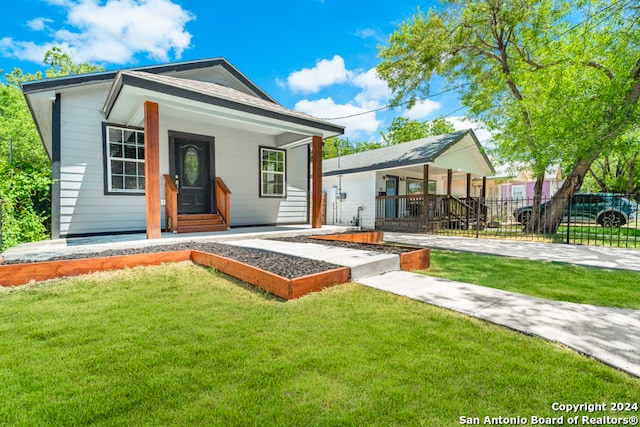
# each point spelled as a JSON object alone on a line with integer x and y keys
{"x": 217, "y": 104}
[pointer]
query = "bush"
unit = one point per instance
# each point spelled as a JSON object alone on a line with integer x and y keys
{"x": 25, "y": 192}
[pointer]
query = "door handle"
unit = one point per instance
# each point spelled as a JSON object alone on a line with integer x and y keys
{"x": 177, "y": 182}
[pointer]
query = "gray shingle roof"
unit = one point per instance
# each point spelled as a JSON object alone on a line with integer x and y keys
{"x": 420, "y": 151}
{"x": 232, "y": 98}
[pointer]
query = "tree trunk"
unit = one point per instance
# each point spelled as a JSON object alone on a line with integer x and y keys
{"x": 632, "y": 171}
{"x": 555, "y": 208}
{"x": 536, "y": 222}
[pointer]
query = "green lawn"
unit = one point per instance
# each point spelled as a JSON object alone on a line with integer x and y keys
{"x": 184, "y": 345}
{"x": 594, "y": 235}
{"x": 556, "y": 281}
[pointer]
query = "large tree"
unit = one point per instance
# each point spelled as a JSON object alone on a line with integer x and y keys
{"x": 24, "y": 166}
{"x": 557, "y": 81}
{"x": 618, "y": 172}
{"x": 403, "y": 129}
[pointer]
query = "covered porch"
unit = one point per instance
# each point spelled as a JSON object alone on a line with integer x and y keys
{"x": 426, "y": 184}
{"x": 215, "y": 157}
{"x": 435, "y": 199}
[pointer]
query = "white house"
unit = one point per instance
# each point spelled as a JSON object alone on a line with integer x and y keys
{"x": 191, "y": 146}
{"x": 385, "y": 188}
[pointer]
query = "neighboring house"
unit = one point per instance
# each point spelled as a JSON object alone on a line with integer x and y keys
{"x": 517, "y": 184}
{"x": 193, "y": 146}
{"x": 384, "y": 188}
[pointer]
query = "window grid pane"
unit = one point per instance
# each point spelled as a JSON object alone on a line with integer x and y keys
{"x": 272, "y": 172}
{"x": 126, "y": 159}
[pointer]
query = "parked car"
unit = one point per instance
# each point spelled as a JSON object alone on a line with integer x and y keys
{"x": 606, "y": 209}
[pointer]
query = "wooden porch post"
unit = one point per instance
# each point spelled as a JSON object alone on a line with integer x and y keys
{"x": 449, "y": 179}
{"x": 468, "y": 186}
{"x": 316, "y": 182}
{"x": 425, "y": 193}
{"x": 483, "y": 192}
{"x": 152, "y": 168}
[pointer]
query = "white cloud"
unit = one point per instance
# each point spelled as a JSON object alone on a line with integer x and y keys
{"x": 113, "y": 32}
{"x": 39, "y": 24}
{"x": 326, "y": 72}
{"x": 483, "y": 134}
{"x": 359, "y": 114}
{"x": 422, "y": 109}
{"x": 357, "y": 125}
{"x": 375, "y": 91}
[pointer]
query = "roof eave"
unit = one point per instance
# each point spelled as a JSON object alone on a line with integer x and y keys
{"x": 124, "y": 79}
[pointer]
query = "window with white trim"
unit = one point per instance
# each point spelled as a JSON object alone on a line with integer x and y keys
{"x": 272, "y": 172}
{"x": 125, "y": 160}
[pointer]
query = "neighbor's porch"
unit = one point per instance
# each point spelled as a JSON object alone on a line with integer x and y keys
{"x": 439, "y": 199}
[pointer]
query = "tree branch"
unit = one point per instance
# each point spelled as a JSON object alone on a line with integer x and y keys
{"x": 599, "y": 66}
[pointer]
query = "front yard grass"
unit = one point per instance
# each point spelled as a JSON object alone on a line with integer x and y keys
{"x": 184, "y": 345}
{"x": 556, "y": 281}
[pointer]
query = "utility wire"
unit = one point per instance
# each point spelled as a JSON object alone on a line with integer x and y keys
{"x": 570, "y": 29}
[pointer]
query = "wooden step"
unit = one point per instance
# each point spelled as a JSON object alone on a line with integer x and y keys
{"x": 198, "y": 223}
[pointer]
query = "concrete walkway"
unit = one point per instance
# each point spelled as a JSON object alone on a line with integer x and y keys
{"x": 610, "y": 335}
{"x": 592, "y": 256}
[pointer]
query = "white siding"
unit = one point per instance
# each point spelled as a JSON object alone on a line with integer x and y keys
{"x": 360, "y": 189}
{"x": 237, "y": 162}
{"x": 293, "y": 210}
{"x": 84, "y": 208}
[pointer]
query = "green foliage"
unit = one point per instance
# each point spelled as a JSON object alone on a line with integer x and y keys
{"x": 24, "y": 188}
{"x": 25, "y": 184}
{"x": 618, "y": 172}
{"x": 24, "y": 191}
{"x": 403, "y": 129}
{"x": 557, "y": 81}
{"x": 60, "y": 64}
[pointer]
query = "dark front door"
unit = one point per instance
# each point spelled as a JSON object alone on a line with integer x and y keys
{"x": 192, "y": 173}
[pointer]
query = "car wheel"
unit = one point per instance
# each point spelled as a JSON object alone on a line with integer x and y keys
{"x": 524, "y": 217}
{"x": 611, "y": 219}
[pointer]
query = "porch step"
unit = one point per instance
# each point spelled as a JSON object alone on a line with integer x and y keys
{"x": 197, "y": 223}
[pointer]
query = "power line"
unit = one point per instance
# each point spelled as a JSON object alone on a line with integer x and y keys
{"x": 570, "y": 29}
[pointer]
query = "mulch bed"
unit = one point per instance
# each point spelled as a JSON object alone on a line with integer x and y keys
{"x": 287, "y": 266}
{"x": 382, "y": 248}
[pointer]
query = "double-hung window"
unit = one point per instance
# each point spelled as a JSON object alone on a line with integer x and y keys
{"x": 272, "y": 172}
{"x": 124, "y": 160}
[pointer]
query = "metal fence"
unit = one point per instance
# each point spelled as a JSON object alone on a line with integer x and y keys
{"x": 589, "y": 219}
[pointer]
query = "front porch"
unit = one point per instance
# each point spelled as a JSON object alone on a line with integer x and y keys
{"x": 406, "y": 213}
{"x": 461, "y": 208}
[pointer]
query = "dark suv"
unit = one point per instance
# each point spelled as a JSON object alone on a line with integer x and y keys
{"x": 606, "y": 209}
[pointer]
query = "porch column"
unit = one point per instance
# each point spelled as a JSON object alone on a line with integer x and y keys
{"x": 425, "y": 193}
{"x": 468, "y": 186}
{"x": 316, "y": 182}
{"x": 483, "y": 192}
{"x": 449, "y": 179}
{"x": 152, "y": 168}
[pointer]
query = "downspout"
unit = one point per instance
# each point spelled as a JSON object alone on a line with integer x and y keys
{"x": 56, "y": 150}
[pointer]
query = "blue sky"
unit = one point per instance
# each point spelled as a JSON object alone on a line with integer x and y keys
{"x": 316, "y": 56}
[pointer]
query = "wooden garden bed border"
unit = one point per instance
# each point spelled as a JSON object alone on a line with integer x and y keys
{"x": 415, "y": 259}
{"x": 20, "y": 274}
